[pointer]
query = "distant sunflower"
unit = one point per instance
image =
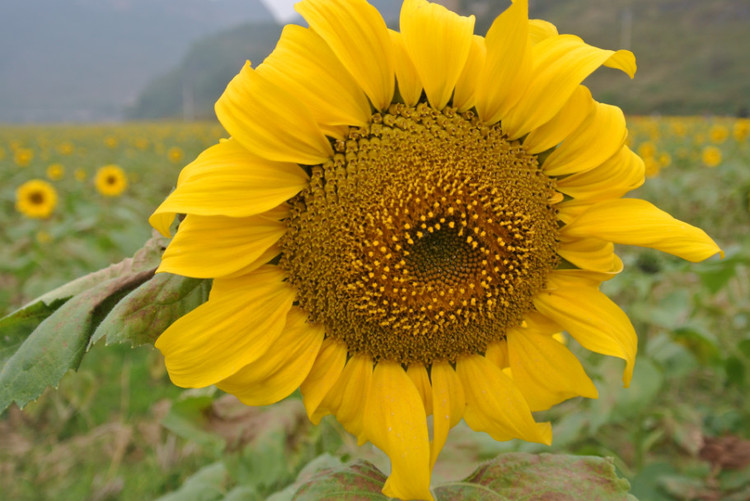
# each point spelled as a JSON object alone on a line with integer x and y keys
{"x": 400, "y": 252}
{"x": 55, "y": 171}
{"x": 110, "y": 180}
{"x": 36, "y": 199}
{"x": 711, "y": 156}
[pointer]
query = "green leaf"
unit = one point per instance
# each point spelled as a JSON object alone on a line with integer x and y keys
{"x": 41, "y": 341}
{"x": 461, "y": 491}
{"x": 148, "y": 310}
{"x": 360, "y": 480}
{"x": 521, "y": 476}
{"x": 14, "y": 329}
{"x": 60, "y": 340}
{"x": 207, "y": 484}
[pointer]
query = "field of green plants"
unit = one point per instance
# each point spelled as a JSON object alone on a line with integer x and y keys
{"x": 118, "y": 429}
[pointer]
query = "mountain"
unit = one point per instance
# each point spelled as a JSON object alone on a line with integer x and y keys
{"x": 84, "y": 60}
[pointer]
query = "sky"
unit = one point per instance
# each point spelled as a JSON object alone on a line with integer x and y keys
{"x": 282, "y": 10}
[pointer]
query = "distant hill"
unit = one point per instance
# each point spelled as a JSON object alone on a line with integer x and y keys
{"x": 190, "y": 90}
{"x": 84, "y": 60}
{"x": 693, "y": 55}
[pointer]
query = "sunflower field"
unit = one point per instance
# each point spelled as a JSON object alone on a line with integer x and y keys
{"x": 77, "y": 198}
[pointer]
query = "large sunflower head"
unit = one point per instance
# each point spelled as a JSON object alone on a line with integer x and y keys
{"x": 36, "y": 199}
{"x": 400, "y": 223}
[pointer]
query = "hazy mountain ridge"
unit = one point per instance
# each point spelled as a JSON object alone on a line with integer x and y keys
{"x": 84, "y": 60}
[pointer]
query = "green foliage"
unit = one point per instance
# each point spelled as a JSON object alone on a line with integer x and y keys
{"x": 124, "y": 303}
{"x": 509, "y": 477}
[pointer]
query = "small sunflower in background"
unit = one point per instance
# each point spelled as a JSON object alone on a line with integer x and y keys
{"x": 401, "y": 223}
{"x": 55, "y": 172}
{"x": 23, "y": 156}
{"x": 741, "y": 129}
{"x": 711, "y": 156}
{"x": 718, "y": 133}
{"x": 175, "y": 154}
{"x": 36, "y": 199}
{"x": 110, "y": 180}
{"x": 80, "y": 174}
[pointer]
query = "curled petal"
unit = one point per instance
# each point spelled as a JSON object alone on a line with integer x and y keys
{"x": 397, "y": 424}
{"x": 281, "y": 370}
{"x": 235, "y": 327}
{"x": 438, "y": 42}
{"x": 495, "y": 405}
{"x": 631, "y": 221}
{"x": 278, "y": 127}
{"x": 357, "y": 34}
{"x": 226, "y": 180}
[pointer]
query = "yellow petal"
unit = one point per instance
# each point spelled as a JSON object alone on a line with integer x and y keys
{"x": 448, "y": 404}
{"x": 465, "y": 94}
{"x": 409, "y": 85}
{"x": 588, "y": 253}
{"x": 497, "y": 353}
{"x": 357, "y": 34}
{"x": 540, "y": 29}
{"x": 270, "y": 121}
{"x": 285, "y": 365}
{"x": 350, "y": 395}
{"x": 323, "y": 375}
{"x": 545, "y": 371}
{"x": 507, "y": 66}
{"x": 539, "y": 323}
{"x": 595, "y": 277}
{"x": 632, "y": 221}
{"x": 549, "y": 135}
{"x": 495, "y": 405}
{"x": 235, "y": 327}
{"x": 438, "y": 42}
{"x": 226, "y": 180}
{"x": 622, "y": 173}
{"x": 307, "y": 68}
{"x": 418, "y": 375}
{"x": 396, "y": 423}
{"x": 217, "y": 246}
{"x": 599, "y": 137}
{"x": 560, "y": 64}
{"x": 590, "y": 317}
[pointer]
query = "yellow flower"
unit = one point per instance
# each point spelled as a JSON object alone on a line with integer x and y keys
{"x": 741, "y": 129}
{"x": 417, "y": 259}
{"x": 111, "y": 142}
{"x": 80, "y": 174}
{"x": 175, "y": 154}
{"x": 665, "y": 159}
{"x": 36, "y": 199}
{"x": 55, "y": 172}
{"x": 652, "y": 167}
{"x": 23, "y": 156}
{"x": 647, "y": 149}
{"x": 718, "y": 133}
{"x": 110, "y": 180}
{"x": 65, "y": 148}
{"x": 711, "y": 156}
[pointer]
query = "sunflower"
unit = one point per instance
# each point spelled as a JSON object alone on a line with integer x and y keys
{"x": 402, "y": 221}
{"x": 55, "y": 171}
{"x": 36, "y": 199}
{"x": 110, "y": 180}
{"x": 711, "y": 156}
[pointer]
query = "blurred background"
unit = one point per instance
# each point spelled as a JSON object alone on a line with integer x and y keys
{"x": 102, "y": 102}
{"x": 112, "y": 60}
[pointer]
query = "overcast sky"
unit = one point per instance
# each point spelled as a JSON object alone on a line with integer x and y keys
{"x": 283, "y": 10}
